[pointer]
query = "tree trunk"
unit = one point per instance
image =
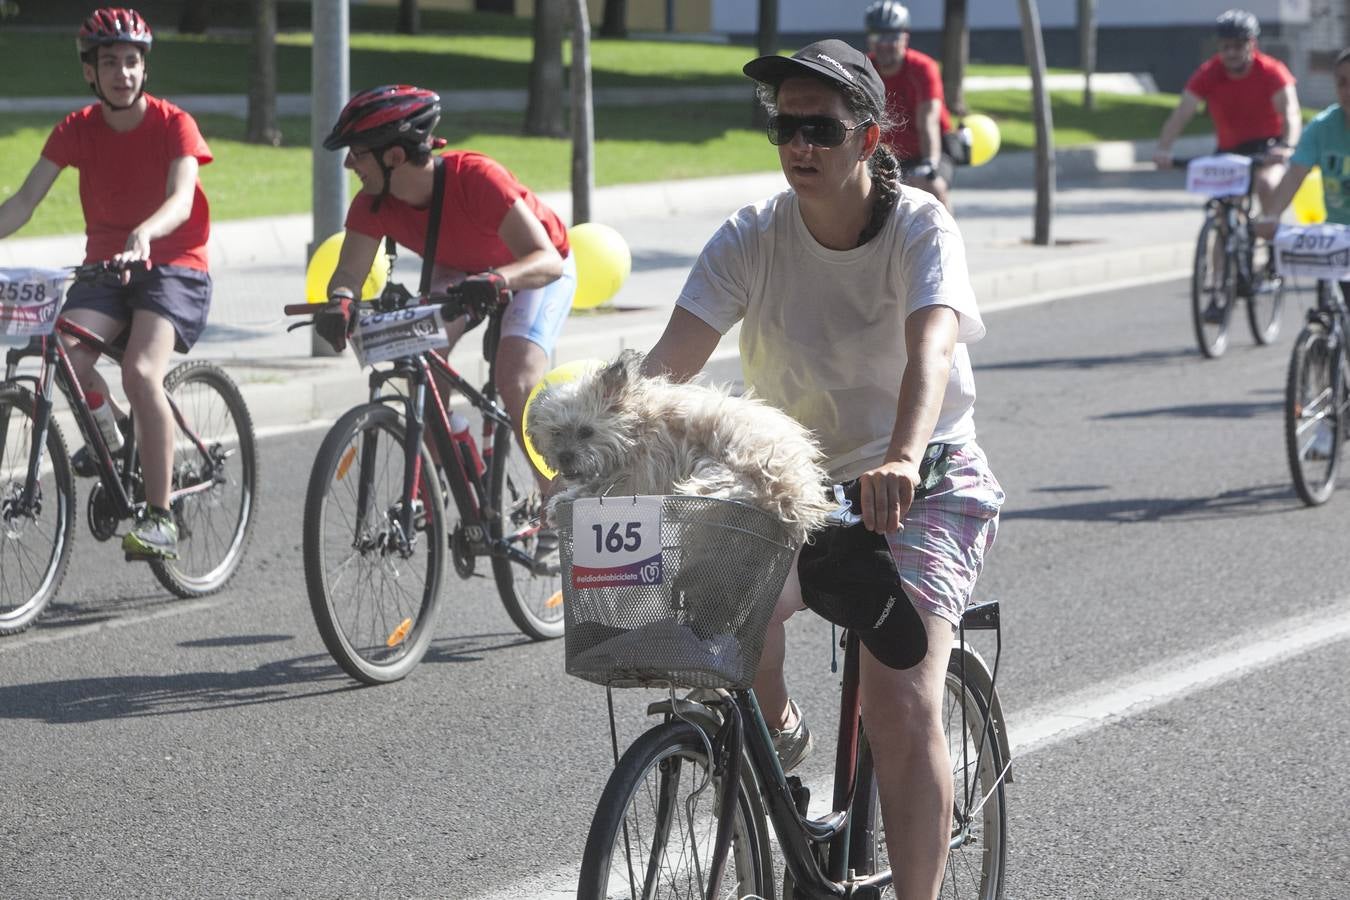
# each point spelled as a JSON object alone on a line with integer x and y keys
{"x": 262, "y": 80}
{"x": 1034, "y": 50}
{"x": 955, "y": 54}
{"x": 615, "y": 21}
{"x": 194, "y": 17}
{"x": 583, "y": 115}
{"x": 766, "y": 42}
{"x": 544, "y": 110}
{"x": 1087, "y": 43}
{"x": 409, "y": 19}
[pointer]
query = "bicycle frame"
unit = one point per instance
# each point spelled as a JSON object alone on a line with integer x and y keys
{"x": 55, "y": 370}
{"x": 468, "y": 486}
{"x": 742, "y": 731}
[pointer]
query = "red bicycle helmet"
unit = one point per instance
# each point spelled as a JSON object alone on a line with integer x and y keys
{"x": 113, "y": 25}
{"x": 390, "y": 114}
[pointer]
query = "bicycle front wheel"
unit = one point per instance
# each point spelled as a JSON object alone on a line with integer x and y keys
{"x": 532, "y": 595}
{"x": 654, "y": 828}
{"x": 1314, "y": 406}
{"x": 374, "y": 590}
{"x": 1266, "y": 304}
{"x": 35, "y": 538}
{"x": 977, "y": 859}
{"x": 215, "y": 480}
{"x": 1213, "y": 290}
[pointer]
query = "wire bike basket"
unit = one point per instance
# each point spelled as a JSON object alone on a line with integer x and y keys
{"x": 690, "y": 611}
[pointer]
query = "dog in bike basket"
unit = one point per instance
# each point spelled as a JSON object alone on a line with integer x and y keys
{"x": 618, "y": 432}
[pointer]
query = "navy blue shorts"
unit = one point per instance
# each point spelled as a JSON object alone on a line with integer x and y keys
{"x": 176, "y": 293}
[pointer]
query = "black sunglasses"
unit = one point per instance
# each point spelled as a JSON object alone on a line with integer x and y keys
{"x": 819, "y": 131}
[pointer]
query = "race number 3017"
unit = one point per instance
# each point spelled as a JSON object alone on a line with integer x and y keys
{"x": 616, "y": 542}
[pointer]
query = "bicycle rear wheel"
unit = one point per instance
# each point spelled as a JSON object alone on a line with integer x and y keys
{"x": 1213, "y": 290}
{"x": 977, "y": 861}
{"x": 374, "y": 592}
{"x": 654, "y": 827}
{"x": 1314, "y": 408}
{"x": 35, "y": 542}
{"x": 1266, "y": 304}
{"x": 532, "y": 596}
{"x": 213, "y": 523}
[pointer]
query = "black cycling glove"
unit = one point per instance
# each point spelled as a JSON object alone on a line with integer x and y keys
{"x": 336, "y": 321}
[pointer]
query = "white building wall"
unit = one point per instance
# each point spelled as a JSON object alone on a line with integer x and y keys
{"x": 846, "y": 16}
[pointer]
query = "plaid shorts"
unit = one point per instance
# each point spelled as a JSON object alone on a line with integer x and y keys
{"x": 940, "y": 551}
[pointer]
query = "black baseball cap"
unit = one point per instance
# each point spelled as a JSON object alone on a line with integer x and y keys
{"x": 832, "y": 60}
{"x": 848, "y": 577}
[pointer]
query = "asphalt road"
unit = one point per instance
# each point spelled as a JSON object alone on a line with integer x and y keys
{"x": 1151, "y": 555}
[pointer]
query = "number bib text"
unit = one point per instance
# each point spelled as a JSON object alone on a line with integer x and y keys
{"x": 1225, "y": 175}
{"x": 30, "y": 300}
{"x": 1313, "y": 251}
{"x": 405, "y": 332}
{"x": 616, "y": 543}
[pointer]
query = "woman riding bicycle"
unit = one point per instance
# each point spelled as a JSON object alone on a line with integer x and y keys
{"x": 494, "y": 234}
{"x": 856, "y": 307}
{"x": 138, "y": 158}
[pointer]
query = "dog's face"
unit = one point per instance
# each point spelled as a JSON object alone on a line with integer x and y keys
{"x": 583, "y": 429}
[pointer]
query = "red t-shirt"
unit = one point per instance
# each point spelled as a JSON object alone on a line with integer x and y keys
{"x": 918, "y": 81}
{"x": 479, "y": 191}
{"x": 1241, "y": 107}
{"x": 124, "y": 176}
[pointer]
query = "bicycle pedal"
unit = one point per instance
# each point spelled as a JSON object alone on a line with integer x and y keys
{"x": 149, "y": 557}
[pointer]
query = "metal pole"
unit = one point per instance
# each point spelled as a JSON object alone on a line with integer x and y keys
{"x": 583, "y": 115}
{"x": 1033, "y": 48}
{"x": 329, "y": 89}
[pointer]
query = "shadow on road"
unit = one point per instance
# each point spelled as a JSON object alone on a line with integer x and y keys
{"x": 1262, "y": 500}
{"x": 77, "y": 700}
{"x": 1201, "y": 411}
{"x": 1148, "y": 357}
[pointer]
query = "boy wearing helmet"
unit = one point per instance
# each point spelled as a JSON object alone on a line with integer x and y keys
{"x": 138, "y": 158}
{"x": 1250, "y": 97}
{"x": 914, "y": 99}
{"x": 494, "y": 234}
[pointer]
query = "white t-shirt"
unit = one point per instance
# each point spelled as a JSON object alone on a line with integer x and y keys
{"x": 824, "y": 330}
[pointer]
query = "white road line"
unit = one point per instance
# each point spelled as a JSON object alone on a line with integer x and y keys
{"x": 32, "y": 639}
{"x": 1092, "y": 709}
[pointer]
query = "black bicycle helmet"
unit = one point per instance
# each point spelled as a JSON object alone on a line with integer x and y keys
{"x": 886, "y": 16}
{"x": 1237, "y": 24}
{"x": 386, "y": 115}
{"x": 113, "y": 25}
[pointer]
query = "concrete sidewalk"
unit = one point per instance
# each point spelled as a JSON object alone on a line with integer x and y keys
{"x": 1112, "y": 229}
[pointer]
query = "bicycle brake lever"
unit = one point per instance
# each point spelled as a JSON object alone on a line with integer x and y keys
{"x": 844, "y": 514}
{"x": 296, "y": 325}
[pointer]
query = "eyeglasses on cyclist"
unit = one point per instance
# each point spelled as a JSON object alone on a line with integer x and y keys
{"x": 819, "y": 131}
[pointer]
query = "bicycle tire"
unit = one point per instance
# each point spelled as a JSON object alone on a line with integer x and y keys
{"x": 1313, "y": 410}
{"x": 376, "y": 638}
{"x": 1265, "y": 306}
{"x": 976, "y": 870}
{"x": 214, "y": 526}
{"x": 623, "y": 840}
{"x": 532, "y": 599}
{"x": 1212, "y": 301}
{"x": 24, "y": 600}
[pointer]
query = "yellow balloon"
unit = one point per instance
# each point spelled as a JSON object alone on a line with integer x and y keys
{"x": 566, "y": 372}
{"x": 603, "y": 263}
{"x": 1309, "y": 205}
{"x": 324, "y": 262}
{"x": 984, "y": 138}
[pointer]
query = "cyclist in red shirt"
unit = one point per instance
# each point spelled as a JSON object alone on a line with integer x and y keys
{"x": 494, "y": 235}
{"x": 914, "y": 100}
{"x": 1250, "y": 97}
{"x": 138, "y": 158}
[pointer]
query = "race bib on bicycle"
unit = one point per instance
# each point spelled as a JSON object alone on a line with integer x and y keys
{"x": 616, "y": 542}
{"x": 380, "y": 337}
{"x": 1313, "y": 251}
{"x": 29, "y": 302}
{"x": 1224, "y": 175}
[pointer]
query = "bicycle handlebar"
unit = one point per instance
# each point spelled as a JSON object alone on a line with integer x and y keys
{"x": 394, "y": 297}
{"x": 105, "y": 270}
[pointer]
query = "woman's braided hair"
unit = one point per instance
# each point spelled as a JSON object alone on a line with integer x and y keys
{"x": 883, "y": 165}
